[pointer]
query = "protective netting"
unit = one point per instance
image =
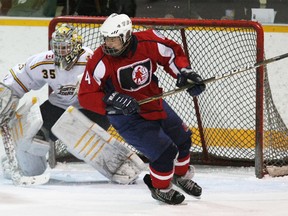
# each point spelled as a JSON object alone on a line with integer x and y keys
{"x": 224, "y": 118}
{"x": 275, "y": 151}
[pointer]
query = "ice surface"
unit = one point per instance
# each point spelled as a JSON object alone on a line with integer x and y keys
{"x": 76, "y": 189}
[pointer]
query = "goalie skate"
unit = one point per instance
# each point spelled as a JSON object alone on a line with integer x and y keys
{"x": 169, "y": 196}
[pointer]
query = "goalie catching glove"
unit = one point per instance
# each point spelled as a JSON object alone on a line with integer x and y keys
{"x": 187, "y": 76}
{"x": 121, "y": 104}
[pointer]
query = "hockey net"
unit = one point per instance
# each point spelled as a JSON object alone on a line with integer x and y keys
{"x": 234, "y": 122}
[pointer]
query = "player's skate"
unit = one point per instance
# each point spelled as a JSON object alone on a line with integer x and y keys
{"x": 186, "y": 184}
{"x": 169, "y": 195}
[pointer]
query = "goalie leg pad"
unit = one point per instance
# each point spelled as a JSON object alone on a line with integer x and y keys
{"x": 39, "y": 147}
{"x": 31, "y": 165}
{"x": 25, "y": 125}
{"x": 31, "y": 162}
{"x": 30, "y": 152}
{"x": 134, "y": 166}
{"x": 89, "y": 142}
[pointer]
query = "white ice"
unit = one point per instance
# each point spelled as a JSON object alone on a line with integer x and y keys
{"x": 76, "y": 189}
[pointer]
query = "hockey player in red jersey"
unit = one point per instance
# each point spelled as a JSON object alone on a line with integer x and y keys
{"x": 122, "y": 72}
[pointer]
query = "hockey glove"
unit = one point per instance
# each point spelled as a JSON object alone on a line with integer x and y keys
{"x": 186, "y": 77}
{"x": 121, "y": 104}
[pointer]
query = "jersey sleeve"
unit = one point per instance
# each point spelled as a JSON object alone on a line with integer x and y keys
{"x": 90, "y": 93}
{"x": 15, "y": 80}
{"x": 23, "y": 77}
{"x": 170, "y": 54}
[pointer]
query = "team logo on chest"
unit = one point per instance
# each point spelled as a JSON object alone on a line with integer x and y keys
{"x": 136, "y": 76}
{"x": 140, "y": 75}
{"x": 66, "y": 89}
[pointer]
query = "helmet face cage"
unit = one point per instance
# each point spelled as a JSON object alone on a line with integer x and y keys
{"x": 116, "y": 25}
{"x": 112, "y": 51}
{"x": 64, "y": 39}
{"x": 61, "y": 48}
{"x": 65, "y": 42}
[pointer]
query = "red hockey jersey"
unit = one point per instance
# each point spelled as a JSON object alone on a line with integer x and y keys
{"x": 134, "y": 73}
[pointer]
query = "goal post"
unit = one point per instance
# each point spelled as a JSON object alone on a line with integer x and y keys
{"x": 234, "y": 122}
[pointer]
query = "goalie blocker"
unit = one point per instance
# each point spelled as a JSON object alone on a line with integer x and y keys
{"x": 89, "y": 142}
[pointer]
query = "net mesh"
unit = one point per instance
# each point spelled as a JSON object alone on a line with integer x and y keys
{"x": 223, "y": 118}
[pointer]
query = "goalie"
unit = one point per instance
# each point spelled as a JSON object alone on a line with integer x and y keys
{"x": 28, "y": 137}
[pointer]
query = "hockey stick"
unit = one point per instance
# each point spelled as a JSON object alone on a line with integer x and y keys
{"x": 214, "y": 78}
{"x": 16, "y": 175}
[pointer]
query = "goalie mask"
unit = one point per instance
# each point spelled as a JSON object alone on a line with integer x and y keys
{"x": 66, "y": 44}
{"x": 116, "y": 32}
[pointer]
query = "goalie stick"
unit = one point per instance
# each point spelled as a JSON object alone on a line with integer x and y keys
{"x": 215, "y": 78}
{"x": 16, "y": 175}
